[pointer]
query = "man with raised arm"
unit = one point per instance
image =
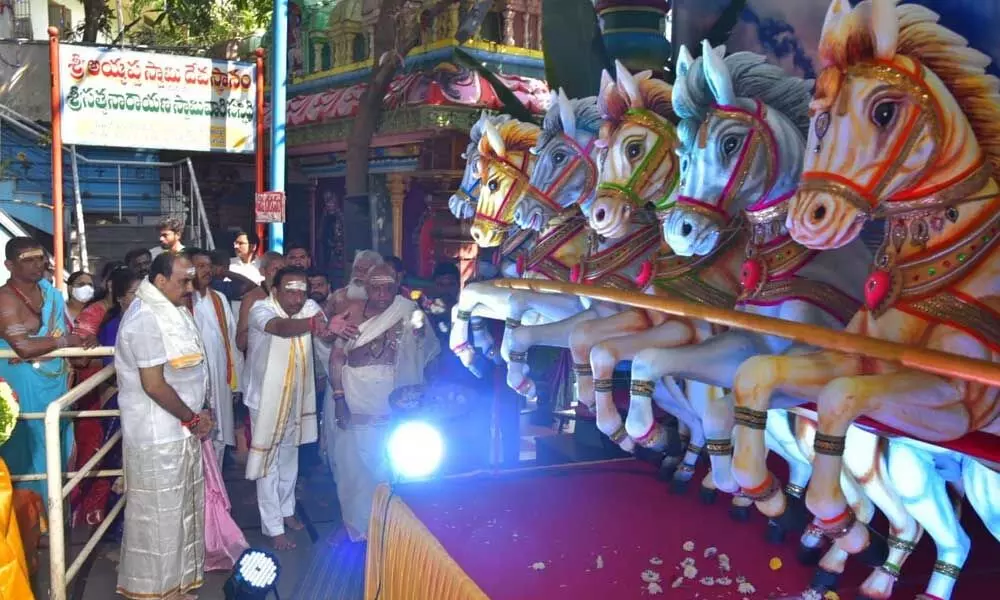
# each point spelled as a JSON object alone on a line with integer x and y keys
{"x": 391, "y": 351}
{"x": 270, "y": 264}
{"x": 162, "y": 389}
{"x": 32, "y": 324}
{"x": 281, "y": 395}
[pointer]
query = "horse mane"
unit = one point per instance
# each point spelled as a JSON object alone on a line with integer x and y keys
{"x": 961, "y": 68}
{"x": 479, "y": 127}
{"x": 613, "y": 103}
{"x": 588, "y": 118}
{"x": 517, "y": 136}
{"x": 752, "y": 77}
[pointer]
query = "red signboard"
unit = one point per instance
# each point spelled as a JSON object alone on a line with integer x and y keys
{"x": 270, "y": 207}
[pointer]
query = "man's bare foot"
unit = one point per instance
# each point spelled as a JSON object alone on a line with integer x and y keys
{"x": 282, "y": 542}
{"x": 294, "y": 524}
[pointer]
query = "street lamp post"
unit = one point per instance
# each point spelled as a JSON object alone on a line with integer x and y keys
{"x": 279, "y": 88}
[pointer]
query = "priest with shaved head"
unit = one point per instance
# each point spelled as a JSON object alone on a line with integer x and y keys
{"x": 391, "y": 351}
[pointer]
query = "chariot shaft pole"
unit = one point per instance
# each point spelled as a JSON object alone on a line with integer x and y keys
{"x": 931, "y": 361}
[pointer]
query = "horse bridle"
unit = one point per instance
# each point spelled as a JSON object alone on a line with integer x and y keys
{"x": 760, "y": 136}
{"x": 640, "y": 177}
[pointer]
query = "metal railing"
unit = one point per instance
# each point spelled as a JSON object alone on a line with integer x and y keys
{"x": 61, "y": 575}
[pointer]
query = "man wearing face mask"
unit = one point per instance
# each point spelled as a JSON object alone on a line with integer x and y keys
{"x": 281, "y": 396}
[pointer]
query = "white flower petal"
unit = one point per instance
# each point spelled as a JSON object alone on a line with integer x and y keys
{"x": 653, "y": 588}
{"x": 650, "y": 576}
{"x": 688, "y": 546}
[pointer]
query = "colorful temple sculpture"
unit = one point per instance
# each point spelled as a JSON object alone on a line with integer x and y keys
{"x": 415, "y": 158}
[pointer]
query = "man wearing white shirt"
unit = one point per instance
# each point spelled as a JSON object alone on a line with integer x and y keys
{"x": 281, "y": 396}
{"x": 217, "y": 326}
{"x": 160, "y": 364}
{"x": 245, "y": 246}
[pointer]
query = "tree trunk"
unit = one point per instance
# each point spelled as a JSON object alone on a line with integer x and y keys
{"x": 93, "y": 15}
{"x": 396, "y": 34}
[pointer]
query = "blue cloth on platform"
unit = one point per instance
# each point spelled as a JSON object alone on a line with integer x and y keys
{"x": 38, "y": 384}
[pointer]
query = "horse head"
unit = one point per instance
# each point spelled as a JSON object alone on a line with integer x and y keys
{"x": 904, "y": 121}
{"x": 742, "y": 131}
{"x": 640, "y": 164}
{"x": 463, "y": 202}
{"x": 565, "y": 172}
{"x": 505, "y": 164}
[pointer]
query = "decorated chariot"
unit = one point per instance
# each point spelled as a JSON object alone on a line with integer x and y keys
{"x": 711, "y": 233}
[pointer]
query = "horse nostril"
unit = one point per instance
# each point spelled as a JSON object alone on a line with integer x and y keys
{"x": 476, "y": 234}
{"x": 686, "y": 229}
{"x": 819, "y": 213}
{"x": 600, "y": 214}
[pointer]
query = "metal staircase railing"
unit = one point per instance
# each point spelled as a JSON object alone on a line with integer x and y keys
{"x": 182, "y": 198}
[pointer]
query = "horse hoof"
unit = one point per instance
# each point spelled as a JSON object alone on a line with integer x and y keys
{"x": 824, "y": 581}
{"x": 679, "y": 486}
{"x": 666, "y": 472}
{"x": 648, "y": 456}
{"x": 775, "y": 533}
{"x": 809, "y": 556}
{"x": 707, "y": 495}
{"x": 876, "y": 553}
{"x": 740, "y": 514}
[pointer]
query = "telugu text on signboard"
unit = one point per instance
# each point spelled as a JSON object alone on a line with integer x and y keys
{"x": 270, "y": 207}
{"x": 130, "y": 99}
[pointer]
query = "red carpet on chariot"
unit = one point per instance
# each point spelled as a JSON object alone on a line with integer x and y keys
{"x": 605, "y": 530}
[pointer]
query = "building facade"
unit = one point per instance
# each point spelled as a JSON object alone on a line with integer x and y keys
{"x": 415, "y": 160}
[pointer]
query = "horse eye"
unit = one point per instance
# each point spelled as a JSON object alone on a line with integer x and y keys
{"x": 633, "y": 150}
{"x": 493, "y": 185}
{"x": 883, "y": 113}
{"x": 558, "y": 157}
{"x": 730, "y": 144}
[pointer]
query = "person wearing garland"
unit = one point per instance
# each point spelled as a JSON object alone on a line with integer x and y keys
{"x": 391, "y": 351}
{"x": 33, "y": 323}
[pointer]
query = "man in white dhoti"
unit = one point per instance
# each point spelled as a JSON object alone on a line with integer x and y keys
{"x": 162, "y": 377}
{"x": 392, "y": 350}
{"x": 215, "y": 322}
{"x": 281, "y": 395}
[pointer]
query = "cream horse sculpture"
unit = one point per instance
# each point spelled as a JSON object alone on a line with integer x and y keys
{"x": 463, "y": 206}
{"x": 624, "y": 255}
{"x": 905, "y": 125}
{"x": 506, "y": 164}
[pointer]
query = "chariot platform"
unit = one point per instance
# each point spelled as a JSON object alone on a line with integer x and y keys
{"x": 606, "y": 529}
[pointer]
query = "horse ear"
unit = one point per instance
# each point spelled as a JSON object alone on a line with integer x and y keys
{"x": 885, "y": 28}
{"x": 717, "y": 75}
{"x": 628, "y": 85}
{"x": 684, "y": 60}
{"x": 566, "y": 114}
{"x": 495, "y": 140}
{"x": 834, "y": 14}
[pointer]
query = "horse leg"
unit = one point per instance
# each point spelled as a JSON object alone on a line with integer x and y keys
{"x": 585, "y": 336}
{"x": 864, "y": 459}
{"x": 781, "y": 437}
{"x": 668, "y": 396}
{"x": 606, "y": 342}
{"x": 476, "y": 299}
{"x": 550, "y": 307}
{"x": 981, "y": 484}
{"x": 757, "y": 379}
{"x": 925, "y": 495}
{"x": 482, "y": 339}
{"x": 841, "y": 402}
{"x": 556, "y": 335}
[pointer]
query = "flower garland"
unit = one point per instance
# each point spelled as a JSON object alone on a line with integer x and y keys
{"x": 9, "y": 411}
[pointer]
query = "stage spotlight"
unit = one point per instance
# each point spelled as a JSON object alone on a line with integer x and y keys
{"x": 254, "y": 577}
{"x": 415, "y": 449}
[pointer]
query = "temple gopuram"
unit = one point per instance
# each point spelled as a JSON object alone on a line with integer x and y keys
{"x": 415, "y": 160}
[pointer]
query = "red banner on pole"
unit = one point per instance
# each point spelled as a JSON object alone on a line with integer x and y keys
{"x": 270, "y": 207}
